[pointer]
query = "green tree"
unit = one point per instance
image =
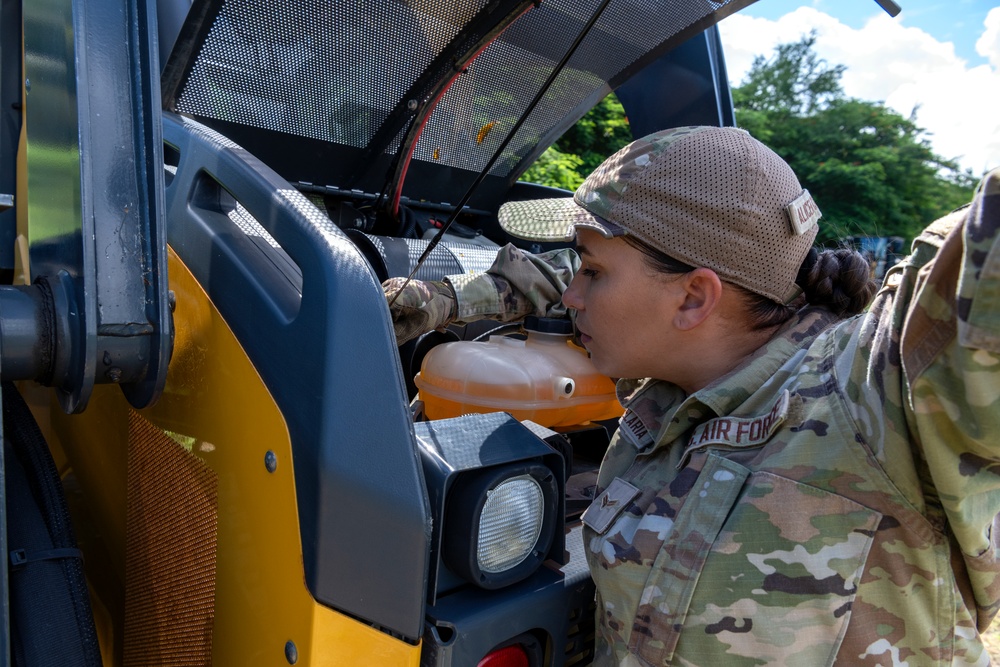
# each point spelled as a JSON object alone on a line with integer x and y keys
{"x": 601, "y": 132}
{"x": 872, "y": 171}
{"x": 795, "y": 81}
{"x": 555, "y": 169}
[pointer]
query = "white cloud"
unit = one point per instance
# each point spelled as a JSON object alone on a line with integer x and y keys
{"x": 904, "y": 67}
{"x": 988, "y": 44}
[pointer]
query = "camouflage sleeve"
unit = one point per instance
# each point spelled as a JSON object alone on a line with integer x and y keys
{"x": 518, "y": 284}
{"x": 950, "y": 353}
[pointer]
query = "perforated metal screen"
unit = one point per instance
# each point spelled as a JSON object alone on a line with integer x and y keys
{"x": 324, "y": 70}
{"x": 333, "y": 71}
{"x": 503, "y": 80}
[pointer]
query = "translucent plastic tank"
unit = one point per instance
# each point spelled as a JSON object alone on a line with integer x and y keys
{"x": 545, "y": 379}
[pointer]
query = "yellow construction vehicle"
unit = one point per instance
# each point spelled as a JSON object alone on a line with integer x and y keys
{"x": 213, "y": 452}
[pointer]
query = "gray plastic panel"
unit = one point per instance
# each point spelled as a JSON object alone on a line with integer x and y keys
{"x": 329, "y": 359}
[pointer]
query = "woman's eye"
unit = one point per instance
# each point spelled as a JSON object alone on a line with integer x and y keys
{"x": 590, "y": 273}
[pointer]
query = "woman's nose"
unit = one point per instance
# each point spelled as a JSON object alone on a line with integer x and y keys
{"x": 572, "y": 297}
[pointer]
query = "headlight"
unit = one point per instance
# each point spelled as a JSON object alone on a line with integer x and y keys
{"x": 510, "y": 523}
{"x": 499, "y": 523}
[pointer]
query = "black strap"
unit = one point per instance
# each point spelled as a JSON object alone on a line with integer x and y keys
{"x": 20, "y": 557}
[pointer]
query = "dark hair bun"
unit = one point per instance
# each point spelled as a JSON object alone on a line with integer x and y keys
{"x": 839, "y": 280}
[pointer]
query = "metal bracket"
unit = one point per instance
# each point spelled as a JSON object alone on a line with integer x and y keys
{"x": 95, "y": 215}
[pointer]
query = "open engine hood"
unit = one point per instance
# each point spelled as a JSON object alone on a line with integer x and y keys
{"x": 356, "y": 95}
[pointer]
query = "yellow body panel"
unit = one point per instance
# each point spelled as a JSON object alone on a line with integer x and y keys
{"x": 217, "y": 407}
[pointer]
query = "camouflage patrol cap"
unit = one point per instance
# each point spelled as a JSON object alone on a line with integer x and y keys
{"x": 707, "y": 196}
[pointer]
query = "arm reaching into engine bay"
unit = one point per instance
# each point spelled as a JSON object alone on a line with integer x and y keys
{"x": 518, "y": 284}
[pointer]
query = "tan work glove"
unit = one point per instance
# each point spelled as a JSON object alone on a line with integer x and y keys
{"x": 421, "y": 307}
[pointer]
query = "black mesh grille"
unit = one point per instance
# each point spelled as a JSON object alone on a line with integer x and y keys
{"x": 503, "y": 80}
{"x": 333, "y": 71}
{"x": 323, "y": 70}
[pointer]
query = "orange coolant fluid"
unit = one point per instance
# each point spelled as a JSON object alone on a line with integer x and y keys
{"x": 545, "y": 379}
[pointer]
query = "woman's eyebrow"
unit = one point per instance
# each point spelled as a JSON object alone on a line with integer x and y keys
{"x": 582, "y": 250}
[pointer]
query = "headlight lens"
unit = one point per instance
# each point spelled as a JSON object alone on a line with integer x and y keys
{"x": 500, "y": 522}
{"x": 510, "y": 523}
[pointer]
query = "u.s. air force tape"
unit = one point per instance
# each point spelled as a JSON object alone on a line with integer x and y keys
{"x": 741, "y": 431}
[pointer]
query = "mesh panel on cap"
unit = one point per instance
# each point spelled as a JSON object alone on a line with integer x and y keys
{"x": 717, "y": 199}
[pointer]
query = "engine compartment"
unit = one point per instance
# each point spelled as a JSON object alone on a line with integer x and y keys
{"x": 583, "y": 444}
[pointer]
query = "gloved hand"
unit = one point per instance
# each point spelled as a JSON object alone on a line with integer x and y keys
{"x": 421, "y": 307}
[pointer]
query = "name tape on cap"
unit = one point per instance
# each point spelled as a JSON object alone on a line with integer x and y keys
{"x": 803, "y": 213}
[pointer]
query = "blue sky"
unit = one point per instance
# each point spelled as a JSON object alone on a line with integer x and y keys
{"x": 938, "y": 60}
{"x": 957, "y": 21}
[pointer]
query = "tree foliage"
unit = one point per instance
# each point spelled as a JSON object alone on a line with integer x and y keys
{"x": 556, "y": 169}
{"x": 872, "y": 171}
{"x": 795, "y": 80}
{"x": 601, "y": 132}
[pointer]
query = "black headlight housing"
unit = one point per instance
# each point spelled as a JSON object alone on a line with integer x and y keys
{"x": 499, "y": 524}
{"x": 496, "y": 493}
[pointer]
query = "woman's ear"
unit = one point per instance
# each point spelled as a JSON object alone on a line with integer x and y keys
{"x": 702, "y": 295}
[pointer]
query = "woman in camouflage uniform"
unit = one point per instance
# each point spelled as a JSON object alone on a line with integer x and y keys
{"x": 794, "y": 481}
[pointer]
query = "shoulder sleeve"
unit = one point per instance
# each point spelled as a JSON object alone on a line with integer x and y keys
{"x": 518, "y": 284}
{"x": 979, "y": 283}
{"x": 950, "y": 353}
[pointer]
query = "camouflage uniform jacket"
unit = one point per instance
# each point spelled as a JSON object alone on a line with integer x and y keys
{"x": 829, "y": 501}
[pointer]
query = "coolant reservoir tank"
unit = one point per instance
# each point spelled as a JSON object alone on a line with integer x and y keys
{"x": 545, "y": 379}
